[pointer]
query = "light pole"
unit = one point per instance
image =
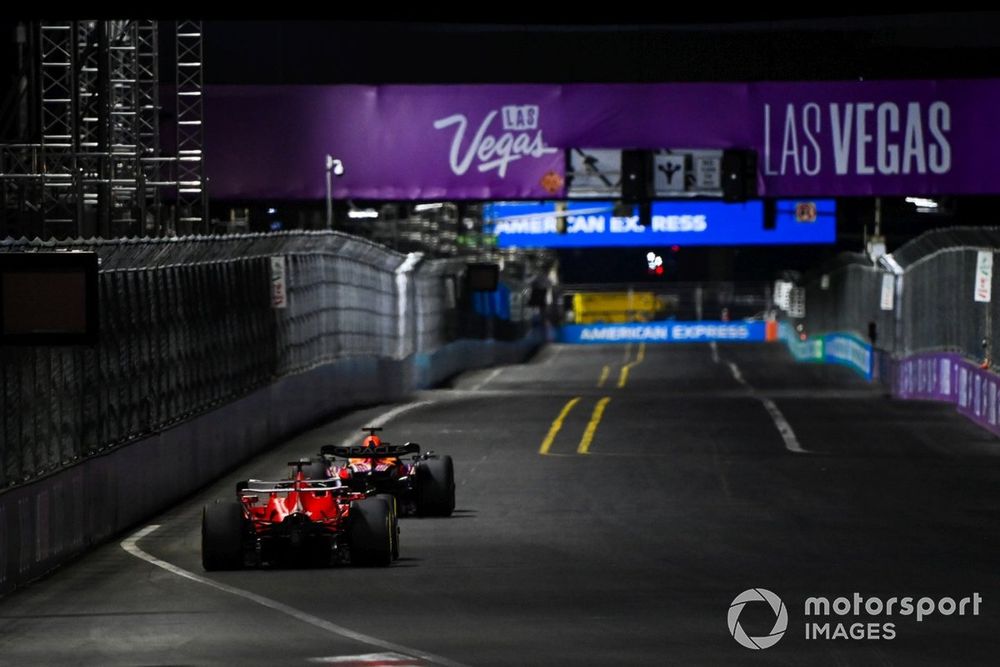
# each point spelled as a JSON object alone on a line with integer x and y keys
{"x": 334, "y": 167}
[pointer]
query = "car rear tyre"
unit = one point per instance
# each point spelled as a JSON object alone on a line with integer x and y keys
{"x": 370, "y": 533}
{"x": 390, "y": 500}
{"x": 436, "y": 487}
{"x": 222, "y": 535}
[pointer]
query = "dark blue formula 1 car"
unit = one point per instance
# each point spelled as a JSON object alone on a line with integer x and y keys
{"x": 423, "y": 485}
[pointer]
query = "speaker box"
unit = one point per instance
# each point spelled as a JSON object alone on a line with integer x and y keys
{"x": 739, "y": 175}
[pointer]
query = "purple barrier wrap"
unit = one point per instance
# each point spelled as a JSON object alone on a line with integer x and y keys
{"x": 977, "y": 395}
{"x": 952, "y": 378}
{"x": 930, "y": 376}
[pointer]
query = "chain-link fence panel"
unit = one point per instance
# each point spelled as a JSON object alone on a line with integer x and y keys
{"x": 188, "y": 324}
{"x": 436, "y": 297}
{"x": 940, "y": 313}
{"x": 848, "y": 298}
{"x": 933, "y": 279}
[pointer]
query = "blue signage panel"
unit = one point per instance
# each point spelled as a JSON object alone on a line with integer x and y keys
{"x": 685, "y": 223}
{"x": 848, "y": 350}
{"x": 664, "y": 332}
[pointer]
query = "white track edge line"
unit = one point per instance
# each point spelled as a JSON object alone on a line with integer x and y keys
{"x": 130, "y": 545}
{"x": 785, "y": 430}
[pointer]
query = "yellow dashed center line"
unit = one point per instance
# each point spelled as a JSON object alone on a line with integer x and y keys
{"x": 623, "y": 375}
{"x": 595, "y": 419}
{"x": 556, "y": 425}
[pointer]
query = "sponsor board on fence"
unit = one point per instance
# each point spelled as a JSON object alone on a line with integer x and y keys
{"x": 888, "y": 291}
{"x": 279, "y": 289}
{"x": 849, "y": 351}
{"x": 984, "y": 276}
{"x": 810, "y": 349}
{"x": 977, "y": 395}
{"x": 929, "y": 376}
{"x": 664, "y": 332}
{"x": 807, "y": 350}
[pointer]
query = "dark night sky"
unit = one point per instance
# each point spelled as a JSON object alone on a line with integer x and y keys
{"x": 684, "y": 45}
{"x": 691, "y": 47}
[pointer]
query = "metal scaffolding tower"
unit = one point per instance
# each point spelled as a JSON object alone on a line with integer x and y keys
{"x": 93, "y": 165}
{"x": 125, "y": 202}
{"x": 60, "y": 205}
{"x": 148, "y": 91}
{"x": 192, "y": 205}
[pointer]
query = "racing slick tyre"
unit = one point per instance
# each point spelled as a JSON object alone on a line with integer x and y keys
{"x": 390, "y": 500}
{"x": 370, "y": 533}
{"x": 436, "y": 487}
{"x": 222, "y": 531}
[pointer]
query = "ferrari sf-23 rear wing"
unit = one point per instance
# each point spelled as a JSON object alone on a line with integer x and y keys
{"x": 288, "y": 485}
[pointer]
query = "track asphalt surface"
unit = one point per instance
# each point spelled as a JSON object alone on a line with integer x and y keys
{"x": 628, "y": 554}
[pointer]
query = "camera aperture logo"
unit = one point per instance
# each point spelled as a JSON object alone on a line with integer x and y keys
{"x": 780, "y": 618}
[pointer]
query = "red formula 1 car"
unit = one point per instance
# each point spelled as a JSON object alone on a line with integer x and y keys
{"x": 322, "y": 521}
{"x": 423, "y": 485}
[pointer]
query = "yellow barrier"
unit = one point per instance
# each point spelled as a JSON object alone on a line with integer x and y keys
{"x": 615, "y": 307}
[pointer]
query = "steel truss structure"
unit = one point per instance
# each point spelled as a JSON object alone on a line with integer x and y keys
{"x": 90, "y": 163}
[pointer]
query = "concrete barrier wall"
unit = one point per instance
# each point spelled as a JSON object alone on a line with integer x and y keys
{"x": 433, "y": 368}
{"x": 45, "y": 523}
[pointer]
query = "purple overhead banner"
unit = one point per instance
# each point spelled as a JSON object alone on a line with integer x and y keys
{"x": 508, "y": 141}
